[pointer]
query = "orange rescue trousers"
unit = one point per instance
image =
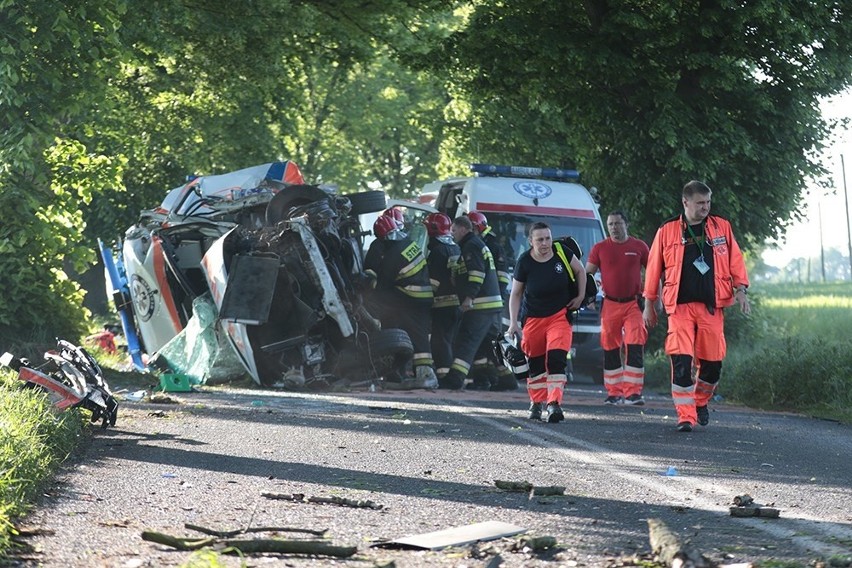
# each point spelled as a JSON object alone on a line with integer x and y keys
{"x": 546, "y": 343}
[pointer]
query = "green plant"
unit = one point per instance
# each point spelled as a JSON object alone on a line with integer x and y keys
{"x": 33, "y": 442}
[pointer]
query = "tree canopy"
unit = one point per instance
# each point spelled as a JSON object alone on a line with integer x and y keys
{"x": 648, "y": 95}
{"x": 104, "y": 108}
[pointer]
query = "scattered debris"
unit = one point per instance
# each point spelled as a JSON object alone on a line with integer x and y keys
{"x": 236, "y": 546}
{"x": 455, "y": 536}
{"x": 342, "y": 501}
{"x": 743, "y": 500}
{"x": 670, "y": 550}
{"x": 744, "y": 506}
{"x": 162, "y": 398}
{"x": 535, "y": 543}
{"x": 526, "y": 487}
{"x": 237, "y": 532}
{"x": 71, "y": 378}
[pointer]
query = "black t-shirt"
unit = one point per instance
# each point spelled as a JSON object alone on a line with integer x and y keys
{"x": 547, "y": 286}
{"x": 694, "y": 286}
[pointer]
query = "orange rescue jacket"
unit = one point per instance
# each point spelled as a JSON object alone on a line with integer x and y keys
{"x": 666, "y": 260}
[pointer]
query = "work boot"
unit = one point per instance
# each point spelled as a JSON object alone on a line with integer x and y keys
{"x": 535, "y": 410}
{"x": 552, "y": 413}
{"x": 703, "y": 415}
{"x": 426, "y": 378}
{"x": 684, "y": 426}
{"x": 453, "y": 380}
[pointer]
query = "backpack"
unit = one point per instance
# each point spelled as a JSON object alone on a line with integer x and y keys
{"x": 572, "y": 245}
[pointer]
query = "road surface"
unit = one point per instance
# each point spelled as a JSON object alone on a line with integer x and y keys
{"x": 429, "y": 460}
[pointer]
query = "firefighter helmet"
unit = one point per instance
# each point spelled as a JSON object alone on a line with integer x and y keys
{"x": 395, "y": 214}
{"x": 437, "y": 224}
{"x": 478, "y": 220}
{"x": 384, "y": 226}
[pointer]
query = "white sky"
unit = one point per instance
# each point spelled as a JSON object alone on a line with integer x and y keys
{"x": 803, "y": 239}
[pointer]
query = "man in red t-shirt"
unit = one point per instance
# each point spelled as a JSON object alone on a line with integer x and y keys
{"x": 621, "y": 259}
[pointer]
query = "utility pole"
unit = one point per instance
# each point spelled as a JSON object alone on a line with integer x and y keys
{"x": 821, "y": 246}
{"x": 848, "y": 229}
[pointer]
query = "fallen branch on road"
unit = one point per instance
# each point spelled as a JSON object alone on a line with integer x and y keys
{"x": 672, "y": 553}
{"x": 236, "y": 532}
{"x": 236, "y": 546}
{"x": 342, "y": 501}
{"x": 527, "y": 487}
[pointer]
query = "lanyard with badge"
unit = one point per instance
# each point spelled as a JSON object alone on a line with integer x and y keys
{"x": 700, "y": 264}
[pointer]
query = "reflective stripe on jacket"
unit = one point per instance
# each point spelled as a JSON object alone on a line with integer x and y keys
{"x": 475, "y": 275}
{"x": 666, "y": 260}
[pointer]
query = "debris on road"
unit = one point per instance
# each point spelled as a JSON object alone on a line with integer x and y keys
{"x": 455, "y": 536}
{"x": 342, "y": 501}
{"x": 744, "y": 506}
{"x": 237, "y": 546}
{"x": 671, "y": 552}
{"x": 237, "y": 532}
{"x": 527, "y": 487}
{"x": 535, "y": 543}
{"x": 71, "y": 378}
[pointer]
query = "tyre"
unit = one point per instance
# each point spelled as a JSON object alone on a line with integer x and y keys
{"x": 367, "y": 202}
{"x": 279, "y": 206}
{"x": 391, "y": 352}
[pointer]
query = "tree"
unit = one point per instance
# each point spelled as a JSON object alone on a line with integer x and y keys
{"x": 648, "y": 95}
{"x": 53, "y": 60}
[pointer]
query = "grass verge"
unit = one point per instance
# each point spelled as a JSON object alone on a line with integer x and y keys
{"x": 33, "y": 443}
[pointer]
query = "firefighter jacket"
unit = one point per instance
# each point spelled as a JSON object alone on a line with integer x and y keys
{"x": 666, "y": 260}
{"x": 500, "y": 262}
{"x": 475, "y": 275}
{"x": 442, "y": 259}
{"x": 399, "y": 267}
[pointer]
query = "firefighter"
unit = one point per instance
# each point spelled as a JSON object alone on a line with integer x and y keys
{"x": 403, "y": 293}
{"x": 441, "y": 260}
{"x": 486, "y": 233}
{"x": 488, "y": 372}
{"x": 479, "y": 297}
{"x": 703, "y": 272}
{"x": 551, "y": 282}
{"x": 621, "y": 259}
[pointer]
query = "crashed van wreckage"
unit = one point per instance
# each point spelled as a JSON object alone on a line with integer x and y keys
{"x": 281, "y": 263}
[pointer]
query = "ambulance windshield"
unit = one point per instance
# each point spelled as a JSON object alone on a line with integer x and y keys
{"x": 512, "y": 229}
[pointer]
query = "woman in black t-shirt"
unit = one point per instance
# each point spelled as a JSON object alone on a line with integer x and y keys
{"x": 551, "y": 282}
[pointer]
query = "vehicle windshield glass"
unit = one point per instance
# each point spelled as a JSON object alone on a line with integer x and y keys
{"x": 512, "y": 229}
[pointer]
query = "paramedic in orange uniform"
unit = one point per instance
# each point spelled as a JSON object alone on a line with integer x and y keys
{"x": 621, "y": 259}
{"x": 545, "y": 284}
{"x": 703, "y": 272}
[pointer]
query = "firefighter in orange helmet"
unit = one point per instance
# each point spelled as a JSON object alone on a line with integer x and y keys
{"x": 703, "y": 272}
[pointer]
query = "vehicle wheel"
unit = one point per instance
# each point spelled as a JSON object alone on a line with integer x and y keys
{"x": 390, "y": 352}
{"x": 279, "y": 206}
{"x": 367, "y": 202}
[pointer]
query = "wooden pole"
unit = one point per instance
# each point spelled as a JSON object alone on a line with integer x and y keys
{"x": 821, "y": 246}
{"x": 848, "y": 229}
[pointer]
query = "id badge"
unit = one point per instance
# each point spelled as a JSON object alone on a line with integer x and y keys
{"x": 702, "y": 266}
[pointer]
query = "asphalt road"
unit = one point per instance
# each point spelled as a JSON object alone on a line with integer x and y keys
{"x": 429, "y": 460}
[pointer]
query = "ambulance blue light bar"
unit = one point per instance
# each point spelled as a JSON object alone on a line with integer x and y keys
{"x": 524, "y": 171}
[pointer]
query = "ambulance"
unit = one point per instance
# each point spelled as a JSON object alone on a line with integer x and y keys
{"x": 513, "y": 198}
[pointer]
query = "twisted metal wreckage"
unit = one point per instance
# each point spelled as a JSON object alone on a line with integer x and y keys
{"x": 71, "y": 378}
{"x": 254, "y": 272}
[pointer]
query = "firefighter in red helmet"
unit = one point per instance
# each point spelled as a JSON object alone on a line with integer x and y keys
{"x": 441, "y": 260}
{"x": 402, "y": 295}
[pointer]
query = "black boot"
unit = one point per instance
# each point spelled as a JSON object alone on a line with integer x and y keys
{"x": 535, "y": 411}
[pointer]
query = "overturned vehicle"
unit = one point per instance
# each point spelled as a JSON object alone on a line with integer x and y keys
{"x": 277, "y": 263}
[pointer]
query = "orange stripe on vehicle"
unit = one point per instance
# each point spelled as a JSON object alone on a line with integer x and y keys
{"x": 163, "y": 283}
